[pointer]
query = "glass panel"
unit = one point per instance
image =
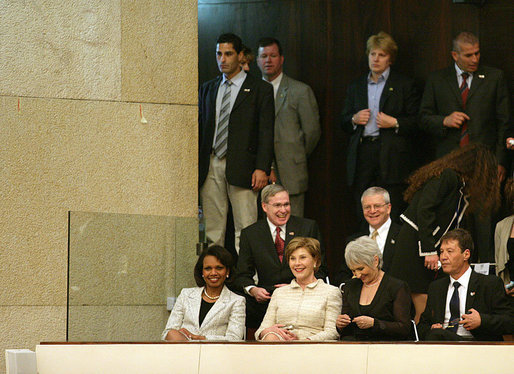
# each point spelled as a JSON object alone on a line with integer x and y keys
{"x": 122, "y": 267}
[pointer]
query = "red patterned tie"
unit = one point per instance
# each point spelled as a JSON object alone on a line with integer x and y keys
{"x": 279, "y": 245}
{"x": 464, "y": 90}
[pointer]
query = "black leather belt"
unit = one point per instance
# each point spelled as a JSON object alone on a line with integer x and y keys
{"x": 370, "y": 139}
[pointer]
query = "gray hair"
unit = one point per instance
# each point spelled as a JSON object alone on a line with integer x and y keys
{"x": 363, "y": 251}
{"x": 376, "y": 191}
{"x": 271, "y": 190}
{"x": 464, "y": 37}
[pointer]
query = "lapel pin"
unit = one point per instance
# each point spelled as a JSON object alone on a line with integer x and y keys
{"x": 472, "y": 293}
{"x": 247, "y": 90}
{"x": 481, "y": 75}
{"x": 291, "y": 233}
{"x": 392, "y": 241}
{"x": 391, "y": 89}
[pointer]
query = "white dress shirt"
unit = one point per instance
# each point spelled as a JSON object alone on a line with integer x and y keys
{"x": 382, "y": 234}
{"x": 463, "y": 291}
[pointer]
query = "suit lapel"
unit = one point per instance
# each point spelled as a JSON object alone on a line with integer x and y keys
{"x": 478, "y": 78}
{"x": 472, "y": 289}
{"x": 281, "y": 93}
{"x": 268, "y": 243}
{"x": 388, "y": 89}
{"x": 453, "y": 84}
{"x": 246, "y": 90}
{"x": 218, "y": 306}
{"x": 440, "y": 304}
{"x": 195, "y": 300}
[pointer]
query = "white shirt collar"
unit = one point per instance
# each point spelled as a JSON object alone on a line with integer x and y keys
{"x": 382, "y": 230}
{"x": 460, "y": 71}
{"x": 273, "y": 228}
{"x": 463, "y": 280}
{"x": 276, "y": 83}
{"x": 237, "y": 80}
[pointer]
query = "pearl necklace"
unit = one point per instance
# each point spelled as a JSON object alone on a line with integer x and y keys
{"x": 210, "y": 297}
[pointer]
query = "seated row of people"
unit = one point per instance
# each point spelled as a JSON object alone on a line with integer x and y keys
{"x": 463, "y": 305}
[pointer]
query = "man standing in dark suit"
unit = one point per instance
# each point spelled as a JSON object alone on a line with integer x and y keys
{"x": 465, "y": 305}
{"x": 469, "y": 103}
{"x": 262, "y": 248}
{"x": 376, "y": 207}
{"x": 380, "y": 114}
{"x": 297, "y": 128}
{"x": 236, "y": 120}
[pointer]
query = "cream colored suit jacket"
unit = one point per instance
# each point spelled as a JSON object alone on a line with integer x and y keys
{"x": 501, "y": 236}
{"x": 225, "y": 320}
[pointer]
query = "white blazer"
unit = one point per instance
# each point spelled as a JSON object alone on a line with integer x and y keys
{"x": 225, "y": 320}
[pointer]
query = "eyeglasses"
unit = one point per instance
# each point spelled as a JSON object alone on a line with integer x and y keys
{"x": 367, "y": 208}
{"x": 279, "y": 205}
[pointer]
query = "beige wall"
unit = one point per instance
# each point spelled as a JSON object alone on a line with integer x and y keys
{"x": 73, "y": 78}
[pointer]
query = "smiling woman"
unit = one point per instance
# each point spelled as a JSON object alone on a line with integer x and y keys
{"x": 210, "y": 311}
{"x": 305, "y": 309}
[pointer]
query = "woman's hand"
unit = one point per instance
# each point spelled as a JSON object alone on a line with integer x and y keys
{"x": 364, "y": 322}
{"x": 277, "y": 329}
{"x": 190, "y": 335}
{"x": 431, "y": 262}
{"x": 342, "y": 321}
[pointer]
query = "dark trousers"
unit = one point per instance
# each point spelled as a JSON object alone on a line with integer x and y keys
{"x": 444, "y": 335}
{"x": 254, "y": 312}
{"x": 367, "y": 174}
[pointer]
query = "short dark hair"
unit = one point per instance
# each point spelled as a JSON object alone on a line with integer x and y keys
{"x": 463, "y": 37}
{"x": 233, "y": 39}
{"x": 267, "y": 41}
{"x": 461, "y": 236}
{"x": 222, "y": 255}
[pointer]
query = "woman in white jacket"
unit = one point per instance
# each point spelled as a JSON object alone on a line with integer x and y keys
{"x": 210, "y": 311}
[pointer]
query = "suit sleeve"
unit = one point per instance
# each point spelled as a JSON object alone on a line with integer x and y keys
{"x": 236, "y": 322}
{"x": 334, "y": 303}
{"x": 309, "y": 119}
{"x": 500, "y": 320}
{"x": 408, "y": 119}
{"x": 266, "y": 127}
{"x": 431, "y": 120}
{"x": 176, "y": 317}
{"x": 322, "y": 272}
{"x": 503, "y": 119}
{"x": 432, "y": 194}
{"x": 426, "y": 320}
{"x": 245, "y": 268}
{"x": 349, "y": 110}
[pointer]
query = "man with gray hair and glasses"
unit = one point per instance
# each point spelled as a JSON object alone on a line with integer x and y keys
{"x": 376, "y": 207}
{"x": 262, "y": 248}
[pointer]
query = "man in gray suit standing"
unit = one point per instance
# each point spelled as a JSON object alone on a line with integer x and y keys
{"x": 297, "y": 128}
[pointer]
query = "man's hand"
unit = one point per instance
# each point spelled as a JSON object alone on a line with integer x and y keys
{"x": 272, "y": 177}
{"x": 364, "y": 322}
{"x": 510, "y": 146}
{"x": 259, "y": 180}
{"x": 436, "y": 326}
{"x": 260, "y": 294}
{"x": 471, "y": 320}
{"x": 431, "y": 262}
{"x": 456, "y": 119}
{"x": 385, "y": 121}
{"x": 361, "y": 117}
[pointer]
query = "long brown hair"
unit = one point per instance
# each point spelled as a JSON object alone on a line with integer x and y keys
{"x": 475, "y": 164}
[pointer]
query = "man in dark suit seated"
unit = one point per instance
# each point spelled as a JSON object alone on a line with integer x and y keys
{"x": 262, "y": 248}
{"x": 465, "y": 305}
{"x": 376, "y": 207}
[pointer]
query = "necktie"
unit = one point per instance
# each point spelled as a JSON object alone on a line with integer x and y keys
{"x": 374, "y": 235}
{"x": 464, "y": 90}
{"x": 279, "y": 245}
{"x": 454, "y": 308}
{"x": 220, "y": 147}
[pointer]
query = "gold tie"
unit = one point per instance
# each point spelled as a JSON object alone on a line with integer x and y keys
{"x": 374, "y": 235}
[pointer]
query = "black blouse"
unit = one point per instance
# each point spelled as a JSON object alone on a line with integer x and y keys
{"x": 204, "y": 309}
{"x": 391, "y": 308}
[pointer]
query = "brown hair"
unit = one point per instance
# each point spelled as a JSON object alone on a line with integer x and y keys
{"x": 382, "y": 41}
{"x": 462, "y": 237}
{"x": 509, "y": 194}
{"x": 474, "y": 163}
{"x": 310, "y": 244}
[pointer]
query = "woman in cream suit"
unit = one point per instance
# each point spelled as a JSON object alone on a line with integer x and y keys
{"x": 210, "y": 311}
{"x": 504, "y": 242}
{"x": 307, "y": 308}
